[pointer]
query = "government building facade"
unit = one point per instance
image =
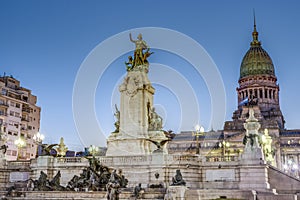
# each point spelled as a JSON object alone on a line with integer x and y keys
{"x": 258, "y": 89}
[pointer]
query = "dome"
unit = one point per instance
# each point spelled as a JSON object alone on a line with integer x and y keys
{"x": 256, "y": 61}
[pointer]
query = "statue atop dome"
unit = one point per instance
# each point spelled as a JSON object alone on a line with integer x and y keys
{"x": 141, "y": 53}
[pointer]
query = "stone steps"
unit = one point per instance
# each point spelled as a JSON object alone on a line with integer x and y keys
{"x": 209, "y": 194}
{"x": 56, "y": 195}
{"x": 212, "y": 194}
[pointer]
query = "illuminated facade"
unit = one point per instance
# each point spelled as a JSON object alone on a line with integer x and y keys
{"x": 259, "y": 90}
{"x": 19, "y": 119}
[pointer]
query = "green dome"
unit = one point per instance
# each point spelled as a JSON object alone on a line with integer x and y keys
{"x": 256, "y": 61}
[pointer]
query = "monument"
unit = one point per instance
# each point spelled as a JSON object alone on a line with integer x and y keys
{"x": 137, "y": 123}
{"x": 137, "y": 164}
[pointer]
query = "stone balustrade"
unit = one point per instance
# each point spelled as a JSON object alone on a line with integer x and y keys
{"x": 19, "y": 164}
{"x": 160, "y": 159}
{"x": 221, "y": 158}
{"x": 69, "y": 160}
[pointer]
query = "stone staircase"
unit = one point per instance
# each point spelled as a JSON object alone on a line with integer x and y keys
{"x": 211, "y": 194}
{"x": 90, "y": 195}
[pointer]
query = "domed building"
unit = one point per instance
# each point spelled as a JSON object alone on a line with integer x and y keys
{"x": 258, "y": 89}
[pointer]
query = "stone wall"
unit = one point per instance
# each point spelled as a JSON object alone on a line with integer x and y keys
{"x": 142, "y": 168}
{"x": 68, "y": 167}
{"x": 282, "y": 182}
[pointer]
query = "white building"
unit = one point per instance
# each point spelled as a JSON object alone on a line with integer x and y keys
{"x": 19, "y": 118}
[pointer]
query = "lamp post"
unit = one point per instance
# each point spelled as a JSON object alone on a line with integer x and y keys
{"x": 20, "y": 143}
{"x": 38, "y": 139}
{"x": 199, "y": 131}
{"x": 93, "y": 150}
{"x": 224, "y": 145}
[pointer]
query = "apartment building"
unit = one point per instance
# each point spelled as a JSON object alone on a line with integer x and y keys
{"x": 19, "y": 119}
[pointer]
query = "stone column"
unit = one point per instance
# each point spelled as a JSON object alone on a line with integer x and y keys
{"x": 253, "y": 170}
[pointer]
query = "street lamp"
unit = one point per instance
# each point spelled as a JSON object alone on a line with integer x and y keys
{"x": 93, "y": 150}
{"x": 38, "y": 139}
{"x": 20, "y": 143}
{"x": 199, "y": 132}
{"x": 225, "y": 145}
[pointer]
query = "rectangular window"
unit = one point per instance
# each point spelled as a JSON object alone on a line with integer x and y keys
{"x": 25, "y": 98}
{"x": 16, "y": 125}
{"x": 18, "y": 105}
{"x": 17, "y": 114}
{"x": 3, "y": 91}
{"x": 12, "y": 104}
{"x": 11, "y": 113}
{"x": 14, "y": 153}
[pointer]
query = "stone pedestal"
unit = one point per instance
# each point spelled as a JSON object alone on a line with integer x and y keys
{"x": 253, "y": 170}
{"x": 45, "y": 164}
{"x": 254, "y": 177}
{"x": 176, "y": 193}
{"x": 136, "y": 105}
{"x": 252, "y": 156}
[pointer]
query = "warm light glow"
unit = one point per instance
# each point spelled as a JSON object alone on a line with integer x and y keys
{"x": 263, "y": 139}
{"x": 201, "y": 129}
{"x": 38, "y": 137}
{"x": 227, "y": 144}
{"x": 20, "y": 142}
{"x": 295, "y": 166}
{"x": 197, "y": 127}
{"x": 93, "y": 149}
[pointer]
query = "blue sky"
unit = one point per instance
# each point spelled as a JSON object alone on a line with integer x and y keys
{"x": 44, "y": 43}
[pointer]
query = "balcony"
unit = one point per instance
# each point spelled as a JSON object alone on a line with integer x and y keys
{"x": 26, "y": 109}
{"x": 3, "y": 104}
{"x": 24, "y": 119}
{"x": 24, "y": 129}
{"x": 3, "y": 114}
{"x": 14, "y": 96}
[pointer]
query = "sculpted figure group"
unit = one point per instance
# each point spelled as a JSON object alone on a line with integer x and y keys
{"x": 141, "y": 53}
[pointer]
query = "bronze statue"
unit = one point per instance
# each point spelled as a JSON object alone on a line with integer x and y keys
{"x": 137, "y": 191}
{"x": 97, "y": 177}
{"x": 112, "y": 191}
{"x": 177, "y": 179}
{"x": 159, "y": 145}
{"x": 43, "y": 184}
{"x": 4, "y": 148}
{"x": 140, "y": 57}
{"x": 46, "y": 149}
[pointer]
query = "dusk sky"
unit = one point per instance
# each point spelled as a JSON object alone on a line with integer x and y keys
{"x": 44, "y": 43}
